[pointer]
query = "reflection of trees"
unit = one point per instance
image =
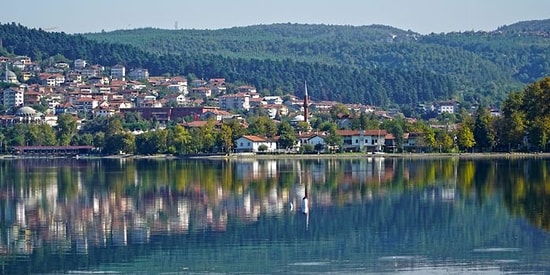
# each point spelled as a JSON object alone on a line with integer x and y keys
{"x": 526, "y": 191}
{"x": 129, "y": 201}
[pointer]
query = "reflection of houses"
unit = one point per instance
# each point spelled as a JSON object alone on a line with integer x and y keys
{"x": 254, "y": 144}
{"x": 363, "y": 140}
{"x": 52, "y": 150}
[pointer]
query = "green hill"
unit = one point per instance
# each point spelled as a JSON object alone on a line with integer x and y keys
{"x": 375, "y": 64}
{"x": 483, "y": 66}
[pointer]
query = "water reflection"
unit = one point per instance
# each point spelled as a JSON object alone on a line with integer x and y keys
{"x": 95, "y": 212}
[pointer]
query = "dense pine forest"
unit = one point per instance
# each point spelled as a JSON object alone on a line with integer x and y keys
{"x": 376, "y": 65}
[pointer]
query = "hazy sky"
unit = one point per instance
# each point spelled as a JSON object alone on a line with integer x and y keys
{"x": 423, "y": 16}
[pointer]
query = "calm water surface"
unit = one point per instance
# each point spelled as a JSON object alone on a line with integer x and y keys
{"x": 369, "y": 215}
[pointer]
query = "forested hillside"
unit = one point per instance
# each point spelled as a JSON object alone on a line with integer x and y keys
{"x": 377, "y": 65}
{"x": 483, "y": 66}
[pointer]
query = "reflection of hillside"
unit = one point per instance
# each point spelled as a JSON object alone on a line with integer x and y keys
{"x": 88, "y": 204}
{"x": 78, "y": 206}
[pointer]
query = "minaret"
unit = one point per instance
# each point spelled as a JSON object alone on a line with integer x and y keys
{"x": 306, "y": 104}
{"x": 7, "y": 75}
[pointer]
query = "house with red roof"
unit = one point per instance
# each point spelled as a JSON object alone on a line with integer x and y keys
{"x": 251, "y": 143}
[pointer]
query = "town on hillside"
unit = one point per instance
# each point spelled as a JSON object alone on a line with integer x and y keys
{"x": 38, "y": 94}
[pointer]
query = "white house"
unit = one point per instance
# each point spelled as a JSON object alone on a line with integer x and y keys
{"x": 253, "y": 143}
{"x": 313, "y": 139}
{"x": 447, "y": 107}
{"x": 363, "y": 140}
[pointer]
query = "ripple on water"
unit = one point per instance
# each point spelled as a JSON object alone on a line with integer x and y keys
{"x": 309, "y": 263}
{"x": 496, "y": 249}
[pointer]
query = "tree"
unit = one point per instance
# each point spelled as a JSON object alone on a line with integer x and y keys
{"x": 262, "y": 126}
{"x": 465, "y": 138}
{"x": 262, "y": 148}
{"x": 66, "y": 128}
{"x": 287, "y": 137}
{"x": 208, "y": 136}
{"x": 395, "y": 127}
{"x": 226, "y": 137}
{"x": 536, "y": 105}
{"x": 484, "y": 133}
{"x": 513, "y": 125}
{"x": 302, "y": 127}
{"x": 444, "y": 141}
{"x": 333, "y": 140}
{"x": 237, "y": 129}
{"x": 339, "y": 110}
{"x": 181, "y": 140}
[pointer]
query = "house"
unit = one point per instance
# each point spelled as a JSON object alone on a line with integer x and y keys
{"x": 218, "y": 115}
{"x": 363, "y": 140}
{"x": 13, "y": 97}
{"x": 118, "y": 72}
{"x": 147, "y": 101}
{"x": 31, "y": 98}
{"x": 247, "y": 89}
{"x": 217, "y": 85}
{"x": 240, "y": 101}
{"x": 178, "y": 99}
{"x": 79, "y": 64}
{"x": 139, "y": 74}
{"x": 65, "y": 108}
{"x": 200, "y": 92}
{"x": 85, "y": 104}
{"x": 177, "y": 84}
{"x": 274, "y": 100}
{"x": 253, "y": 144}
{"x": 104, "y": 110}
{"x": 52, "y": 79}
{"x": 450, "y": 107}
{"x": 314, "y": 139}
{"x": 275, "y": 109}
{"x": 92, "y": 71}
{"x": 414, "y": 142}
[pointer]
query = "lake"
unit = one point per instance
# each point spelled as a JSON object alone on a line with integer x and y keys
{"x": 365, "y": 215}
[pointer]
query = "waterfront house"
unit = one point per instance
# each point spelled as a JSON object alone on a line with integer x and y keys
{"x": 250, "y": 143}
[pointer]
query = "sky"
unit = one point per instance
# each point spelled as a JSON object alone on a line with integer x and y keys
{"x": 422, "y": 16}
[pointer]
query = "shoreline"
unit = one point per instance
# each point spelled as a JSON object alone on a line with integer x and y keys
{"x": 248, "y": 156}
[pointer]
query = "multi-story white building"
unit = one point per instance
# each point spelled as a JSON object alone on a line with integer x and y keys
{"x": 13, "y": 97}
{"x": 139, "y": 74}
{"x": 79, "y": 64}
{"x": 118, "y": 72}
{"x": 238, "y": 101}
